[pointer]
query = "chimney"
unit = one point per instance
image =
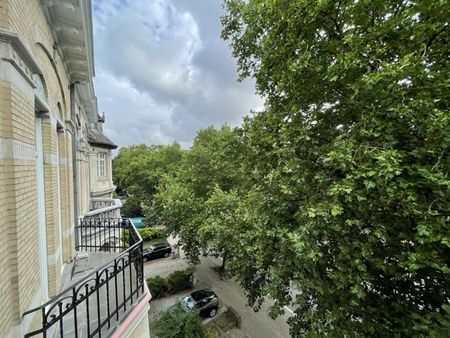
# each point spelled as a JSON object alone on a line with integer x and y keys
{"x": 100, "y": 121}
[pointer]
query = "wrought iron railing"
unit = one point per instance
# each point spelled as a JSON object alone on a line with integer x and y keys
{"x": 96, "y": 304}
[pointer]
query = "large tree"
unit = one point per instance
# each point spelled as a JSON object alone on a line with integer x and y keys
{"x": 138, "y": 169}
{"x": 350, "y": 163}
{"x": 210, "y": 167}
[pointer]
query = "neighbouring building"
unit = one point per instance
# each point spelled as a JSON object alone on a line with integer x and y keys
{"x": 100, "y": 160}
{"x": 69, "y": 265}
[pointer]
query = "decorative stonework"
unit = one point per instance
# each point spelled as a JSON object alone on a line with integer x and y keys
{"x": 70, "y": 20}
{"x": 69, "y": 4}
{"x": 14, "y": 51}
{"x": 13, "y": 149}
{"x": 40, "y": 90}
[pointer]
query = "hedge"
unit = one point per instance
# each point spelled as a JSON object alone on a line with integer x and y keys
{"x": 146, "y": 234}
{"x": 151, "y": 233}
{"x": 177, "y": 281}
{"x": 158, "y": 286}
{"x": 209, "y": 331}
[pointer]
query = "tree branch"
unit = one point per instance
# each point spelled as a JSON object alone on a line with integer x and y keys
{"x": 435, "y": 35}
{"x": 399, "y": 7}
{"x": 439, "y": 160}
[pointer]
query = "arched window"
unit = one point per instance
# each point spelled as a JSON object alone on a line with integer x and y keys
{"x": 40, "y": 93}
{"x": 41, "y": 89}
{"x": 59, "y": 113}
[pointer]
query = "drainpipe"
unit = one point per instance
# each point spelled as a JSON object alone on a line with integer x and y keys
{"x": 74, "y": 157}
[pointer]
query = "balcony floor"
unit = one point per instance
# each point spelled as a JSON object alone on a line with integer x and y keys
{"x": 102, "y": 303}
{"x": 84, "y": 264}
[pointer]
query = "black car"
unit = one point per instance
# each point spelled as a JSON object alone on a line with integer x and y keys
{"x": 157, "y": 250}
{"x": 205, "y": 301}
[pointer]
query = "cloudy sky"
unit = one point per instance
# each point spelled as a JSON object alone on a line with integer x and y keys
{"x": 162, "y": 71}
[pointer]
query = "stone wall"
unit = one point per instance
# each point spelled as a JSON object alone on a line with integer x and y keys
{"x": 101, "y": 187}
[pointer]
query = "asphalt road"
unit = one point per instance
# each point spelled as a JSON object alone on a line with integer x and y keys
{"x": 253, "y": 324}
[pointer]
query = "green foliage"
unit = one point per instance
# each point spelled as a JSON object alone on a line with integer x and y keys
{"x": 209, "y": 331}
{"x": 213, "y": 163}
{"x": 138, "y": 169}
{"x": 340, "y": 186}
{"x": 226, "y": 320}
{"x": 180, "y": 280}
{"x": 132, "y": 207}
{"x": 349, "y": 162}
{"x": 175, "y": 282}
{"x": 152, "y": 233}
{"x": 125, "y": 236}
{"x": 146, "y": 233}
{"x": 157, "y": 286}
{"x": 435, "y": 325}
{"x": 177, "y": 323}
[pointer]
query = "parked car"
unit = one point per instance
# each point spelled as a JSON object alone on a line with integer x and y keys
{"x": 157, "y": 250}
{"x": 205, "y": 301}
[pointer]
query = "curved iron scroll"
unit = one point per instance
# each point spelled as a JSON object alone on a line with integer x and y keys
{"x": 94, "y": 304}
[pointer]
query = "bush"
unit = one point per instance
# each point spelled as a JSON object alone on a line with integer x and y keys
{"x": 177, "y": 323}
{"x": 151, "y": 233}
{"x": 125, "y": 237}
{"x": 226, "y": 320}
{"x": 209, "y": 331}
{"x": 180, "y": 280}
{"x": 157, "y": 286}
{"x": 146, "y": 234}
{"x": 177, "y": 281}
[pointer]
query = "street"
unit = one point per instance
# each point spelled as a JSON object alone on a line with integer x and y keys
{"x": 253, "y": 324}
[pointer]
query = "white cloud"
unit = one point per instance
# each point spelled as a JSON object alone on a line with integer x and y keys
{"x": 163, "y": 72}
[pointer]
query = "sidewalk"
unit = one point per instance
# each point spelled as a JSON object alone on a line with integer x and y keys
{"x": 164, "y": 267}
{"x": 253, "y": 324}
{"x": 162, "y": 304}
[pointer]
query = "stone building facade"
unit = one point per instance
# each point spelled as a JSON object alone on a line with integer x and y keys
{"x": 48, "y": 167}
{"x": 100, "y": 161}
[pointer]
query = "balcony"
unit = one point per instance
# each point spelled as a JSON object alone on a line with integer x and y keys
{"x": 101, "y": 287}
{"x": 104, "y": 208}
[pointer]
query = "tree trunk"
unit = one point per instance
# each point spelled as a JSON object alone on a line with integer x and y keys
{"x": 224, "y": 259}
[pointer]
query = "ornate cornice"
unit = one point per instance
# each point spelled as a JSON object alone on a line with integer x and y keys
{"x": 71, "y": 24}
{"x": 15, "y": 51}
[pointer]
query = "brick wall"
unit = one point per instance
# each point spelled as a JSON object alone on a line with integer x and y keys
{"x": 27, "y": 18}
{"x": 4, "y": 14}
{"x": 19, "y": 243}
{"x": 6, "y": 207}
{"x": 66, "y": 191}
{"x": 19, "y": 261}
{"x": 52, "y": 208}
